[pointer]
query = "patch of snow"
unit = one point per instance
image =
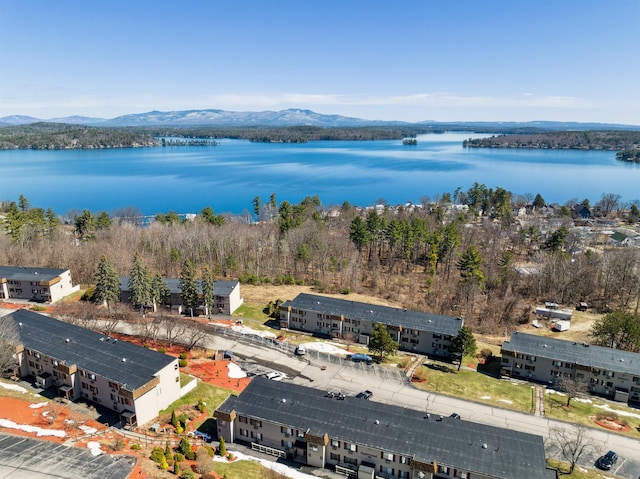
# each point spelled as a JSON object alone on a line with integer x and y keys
{"x": 506, "y": 401}
{"x": 606, "y": 407}
{"x": 584, "y": 400}
{"x": 88, "y": 429}
{"x": 235, "y": 371}
{"x": 287, "y": 471}
{"x": 27, "y": 428}
{"x": 485, "y": 397}
{"x": 94, "y": 447}
{"x": 247, "y": 330}
{"x": 13, "y": 387}
{"x": 324, "y": 348}
{"x": 39, "y": 405}
{"x": 45, "y": 413}
{"x": 553, "y": 391}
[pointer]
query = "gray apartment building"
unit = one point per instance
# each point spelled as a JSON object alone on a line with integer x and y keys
{"x": 415, "y": 331}
{"x": 35, "y": 284}
{"x": 369, "y": 440}
{"x": 608, "y": 372}
{"x": 226, "y": 295}
{"x": 133, "y": 381}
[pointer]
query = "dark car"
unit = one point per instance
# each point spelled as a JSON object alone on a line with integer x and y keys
{"x": 364, "y": 394}
{"x": 607, "y": 461}
{"x": 455, "y": 415}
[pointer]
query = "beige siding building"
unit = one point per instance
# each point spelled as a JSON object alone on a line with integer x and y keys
{"x": 368, "y": 440}
{"x": 415, "y": 331}
{"x": 78, "y": 363}
{"x": 608, "y": 372}
{"x": 35, "y": 284}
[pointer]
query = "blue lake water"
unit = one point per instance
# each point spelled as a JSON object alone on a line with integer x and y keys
{"x": 229, "y": 176}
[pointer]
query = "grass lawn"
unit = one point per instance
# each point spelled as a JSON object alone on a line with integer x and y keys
{"x": 245, "y": 470}
{"x": 579, "y": 412}
{"x": 578, "y": 472}
{"x": 254, "y": 313}
{"x": 212, "y": 395}
{"x": 469, "y": 384}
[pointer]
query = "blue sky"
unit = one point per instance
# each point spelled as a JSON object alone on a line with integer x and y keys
{"x": 446, "y": 60}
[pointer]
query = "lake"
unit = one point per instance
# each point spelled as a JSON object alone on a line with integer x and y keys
{"x": 227, "y": 177}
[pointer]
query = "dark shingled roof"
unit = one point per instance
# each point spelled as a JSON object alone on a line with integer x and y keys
{"x": 220, "y": 288}
{"x": 508, "y": 454}
{"x": 574, "y": 352}
{"x": 90, "y": 351}
{"x": 29, "y": 274}
{"x": 390, "y": 316}
{"x": 27, "y": 458}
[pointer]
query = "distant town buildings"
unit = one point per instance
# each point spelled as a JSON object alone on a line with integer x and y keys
{"x": 415, "y": 331}
{"x": 35, "y": 284}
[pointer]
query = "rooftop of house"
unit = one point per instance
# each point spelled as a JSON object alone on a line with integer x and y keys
{"x": 574, "y": 352}
{"x": 28, "y": 458}
{"x": 220, "y": 287}
{"x": 119, "y": 361}
{"x": 21, "y": 273}
{"x": 495, "y": 452}
{"x": 390, "y": 316}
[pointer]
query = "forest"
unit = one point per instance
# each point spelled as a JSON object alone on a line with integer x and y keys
{"x": 582, "y": 140}
{"x": 474, "y": 262}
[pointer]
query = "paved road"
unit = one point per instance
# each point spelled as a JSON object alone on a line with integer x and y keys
{"x": 351, "y": 379}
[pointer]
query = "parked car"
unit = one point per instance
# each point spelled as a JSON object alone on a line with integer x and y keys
{"x": 455, "y": 415}
{"x": 364, "y": 394}
{"x": 300, "y": 350}
{"x": 199, "y": 435}
{"x": 365, "y": 358}
{"x": 607, "y": 461}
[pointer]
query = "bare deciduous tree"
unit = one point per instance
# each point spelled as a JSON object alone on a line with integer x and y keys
{"x": 572, "y": 442}
{"x": 9, "y": 339}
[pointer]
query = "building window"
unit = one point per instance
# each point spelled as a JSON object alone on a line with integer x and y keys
{"x": 387, "y": 456}
{"x": 335, "y": 443}
{"x": 334, "y": 457}
{"x": 386, "y": 470}
{"x": 244, "y": 432}
{"x": 287, "y": 431}
{"x": 403, "y": 474}
{"x": 350, "y": 460}
{"x": 313, "y": 447}
{"x": 242, "y": 419}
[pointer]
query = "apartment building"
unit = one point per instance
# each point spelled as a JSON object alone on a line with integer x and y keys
{"x": 226, "y": 297}
{"x": 35, "y": 284}
{"x": 366, "y": 439}
{"x": 608, "y": 372}
{"x": 133, "y": 381}
{"x": 415, "y": 331}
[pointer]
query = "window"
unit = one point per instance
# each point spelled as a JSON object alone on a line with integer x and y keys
{"x": 443, "y": 469}
{"x": 287, "y": 431}
{"x": 334, "y": 457}
{"x": 350, "y": 460}
{"x": 255, "y": 422}
{"x": 313, "y": 447}
{"x": 403, "y": 474}
{"x": 528, "y": 367}
{"x": 462, "y": 475}
{"x": 350, "y": 447}
{"x": 244, "y": 432}
{"x": 403, "y": 459}
{"x": 242, "y": 419}
{"x": 286, "y": 443}
{"x": 386, "y": 469}
{"x": 335, "y": 443}
{"x": 387, "y": 456}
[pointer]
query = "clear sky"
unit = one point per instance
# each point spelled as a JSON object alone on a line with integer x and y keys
{"x": 444, "y": 60}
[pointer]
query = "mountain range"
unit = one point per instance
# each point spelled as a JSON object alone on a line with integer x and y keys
{"x": 283, "y": 118}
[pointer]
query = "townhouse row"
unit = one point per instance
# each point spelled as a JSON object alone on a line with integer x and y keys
{"x": 414, "y": 331}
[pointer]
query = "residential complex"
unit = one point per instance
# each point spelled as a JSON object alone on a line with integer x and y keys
{"x": 366, "y": 439}
{"x": 609, "y": 372}
{"x": 414, "y": 331}
{"x": 133, "y": 381}
{"x": 35, "y": 284}
{"x": 225, "y": 301}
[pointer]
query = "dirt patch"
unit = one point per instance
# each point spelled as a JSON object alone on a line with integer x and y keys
{"x": 611, "y": 424}
{"x": 216, "y": 373}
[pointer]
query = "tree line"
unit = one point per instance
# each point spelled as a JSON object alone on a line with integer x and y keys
{"x": 582, "y": 140}
{"x": 475, "y": 262}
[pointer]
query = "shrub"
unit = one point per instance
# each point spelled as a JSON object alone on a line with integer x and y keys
{"x": 210, "y": 450}
{"x": 188, "y": 474}
{"x": 486, "y": 354}
{"x": 38, "y": 308}
{"x": 182, "y": 363}
{"x": 346, "y": 291}
{"x": 178, "y": 457}
{"x": 157, "y": 455}
{"x": 164, "y": 465}
{"x": 176, "y": 468}
{"x": 88, "y": 295}
{"x": 184, "y": 447}
{"x": 191, "y": 455}
{"x": 201, "y": 406}
{"x": 230, "y": 457}
{"x": 183, "y": 356}
{"x": 223, "y": 447}
{"x": 162, "y": 350}
{"x": 135, "y": 447}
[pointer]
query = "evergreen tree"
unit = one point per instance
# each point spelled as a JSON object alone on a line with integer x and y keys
{"x": 539, "y": 202}
{"x": 85, "y": 226}
{"x": 381, "y": 344}
{"x": 223, "y": 447}
{"x": 107, "y": 282}
{"x": 208, "y": 285}
{"x": 469, "y": 266}
{"x": 159, "y": 290}
{"x": 464, "y": 344}
{"x": 103, "y": 221}
{"x": 140, "y": 284}
{"x": 188, "y": 286}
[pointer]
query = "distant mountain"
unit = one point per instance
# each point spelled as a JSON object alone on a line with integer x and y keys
{"x": 296, "y": 117}
{"x": 290, "y": 117}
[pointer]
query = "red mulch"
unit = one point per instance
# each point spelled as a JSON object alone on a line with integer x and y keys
{"x": 215, "y": 372}
{"x": 612, "y": 425}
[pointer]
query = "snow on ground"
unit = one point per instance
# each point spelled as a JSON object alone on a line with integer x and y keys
{"x": 506, "y": 401}
{"x": 324, "y": 348}
{"x": 39, "y": 405}
{"x": 94, "y": 447}
{"x": 88, "y": 429}
{"x": 26, "y": 428}
{"x": 553, "y": 391}
{"x": 485, "y": 397}
{"x": 13, "y": 387}
{"x": 235, "y": 372}
{"x": 606, "y": 407}
{"x": 247, "y": 330}
{"x": 584, "y": 400}
{"x": 274, "y": 466}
